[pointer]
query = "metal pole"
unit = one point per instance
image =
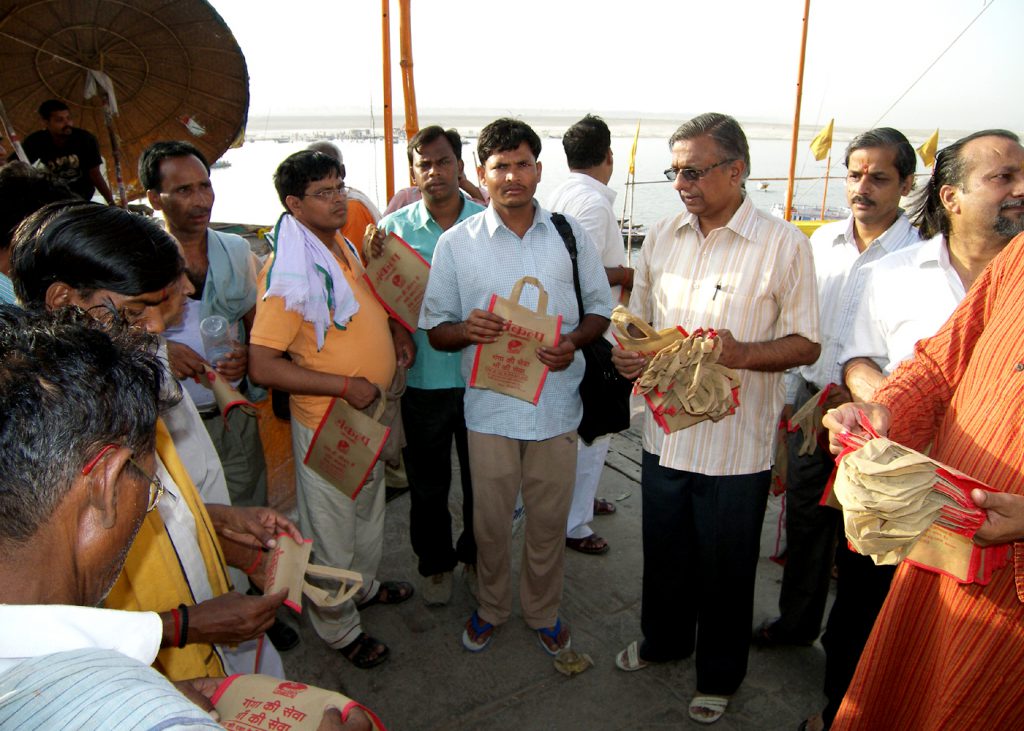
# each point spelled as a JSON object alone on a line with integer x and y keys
{"x": 828, "y": 166}
{"x": 796, "y": 115}
{"x": 389, "y": 134}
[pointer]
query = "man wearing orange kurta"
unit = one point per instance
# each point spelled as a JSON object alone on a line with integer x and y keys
{"x": 943, "y": 654}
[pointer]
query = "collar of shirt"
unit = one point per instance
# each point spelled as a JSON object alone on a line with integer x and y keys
{"x": 420, "y": 217}
{"x": 889, "y": 240}
{"x": 594, "y": 184}
{"x": 493, "y": 221}
{"x": 35, "y": 630}
{"x": 743, "y": 221}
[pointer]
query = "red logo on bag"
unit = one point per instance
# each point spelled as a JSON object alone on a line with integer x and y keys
{"x": 515, "y": 346}
{"x": 397, "y": 280}
{"x": 343, "y": 446}
{"x": 290, "y": 690}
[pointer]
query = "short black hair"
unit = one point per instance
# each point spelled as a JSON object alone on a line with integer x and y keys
{"x": 300, "y": 169}
{"x": 23, "y": 191}
{"x": 906, "y": 158}
{"x": 90, "y": 246}
{"x": 50, "y": 106}
{"x": 586, "y": 143}
{"x": 434, "y": 132}
{"x": 723, "y": 129}
{"x": 506, "y": 134}
{"x": 69, "y": 385}
{"x": 926, "y": 210}
{"x": 152, "y": 156}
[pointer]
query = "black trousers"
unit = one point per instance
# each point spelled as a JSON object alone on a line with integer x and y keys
{"x": 432, "y": 419}
{"x": 811, "y": 532}
{"x": 860, "y": 594}
{"x": 701, "y": 539}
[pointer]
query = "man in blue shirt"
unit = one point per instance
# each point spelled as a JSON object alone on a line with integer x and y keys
{"x": 432, "y": 409}
{"x": 515, "y": 445}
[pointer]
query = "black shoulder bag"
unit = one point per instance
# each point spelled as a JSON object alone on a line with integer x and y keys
{"x": 604, "y": 392}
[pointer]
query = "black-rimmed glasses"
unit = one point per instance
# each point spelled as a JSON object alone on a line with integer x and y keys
{"x": 692, "y": 175}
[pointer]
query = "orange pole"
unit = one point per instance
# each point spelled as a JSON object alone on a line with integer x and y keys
{"x": 412, "y": 124}
{"x": 824, "y": 197}
{"x": 796, "y": 115}
{"x": 389, "y": 133}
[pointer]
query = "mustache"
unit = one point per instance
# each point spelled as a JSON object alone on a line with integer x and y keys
{"x": 862, "y": 199}
{"x": 1012, "y": 203}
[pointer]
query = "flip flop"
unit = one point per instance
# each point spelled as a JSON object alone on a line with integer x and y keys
{"x": 714, "y": 705}
{"x": 359, "y": 652}
{"x": 548, "y": 638}
{"x": 390, "y": 592}
{"x": 629, "y": 659}
{"x": 473, "y": 637}
{"x": 593, "y": 544}
{"x": 603, "y": 507}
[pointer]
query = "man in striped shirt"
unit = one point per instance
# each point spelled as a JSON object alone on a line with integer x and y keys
{"x": 721, "y": 264}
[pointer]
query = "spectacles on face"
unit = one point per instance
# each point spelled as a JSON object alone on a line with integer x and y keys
{"x": 156, "y": 488}
{"x": 327, "y": 194}
{"x": 692, "y": 175}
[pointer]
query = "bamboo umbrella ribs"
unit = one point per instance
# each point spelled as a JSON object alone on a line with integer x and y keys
{"x": 175, "y": 69}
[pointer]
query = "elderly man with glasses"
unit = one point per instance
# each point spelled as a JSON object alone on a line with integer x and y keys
{"x": 721, "y": 264}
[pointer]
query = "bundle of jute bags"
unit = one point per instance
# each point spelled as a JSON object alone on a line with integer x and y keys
{"x": 683, "y": 383}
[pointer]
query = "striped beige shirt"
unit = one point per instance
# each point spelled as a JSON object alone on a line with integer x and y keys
{"x": 754, "y": 277}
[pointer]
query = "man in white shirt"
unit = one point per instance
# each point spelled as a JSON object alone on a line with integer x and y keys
{"x": 880, "y": 170}
{"x": 908, "y": 296}
{"x": 585, "y": 196}
{"x": 721, "y": 264}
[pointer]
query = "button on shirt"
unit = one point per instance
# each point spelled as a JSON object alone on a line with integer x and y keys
{"x": 433, "y": 368}
{"x": 907, "y": 296}
{"x": 839, "y": 271}
{"x": 481, "y": 257}
{"x": 754, "y": 277}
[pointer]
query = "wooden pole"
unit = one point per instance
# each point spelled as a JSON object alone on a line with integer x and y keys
{"x": 412, "y": 124}
{"x": 115, "y": 150}
{"x": 828, "y": 167}
{"x": 796, "y": 115}
{"x": 389, "y": 133}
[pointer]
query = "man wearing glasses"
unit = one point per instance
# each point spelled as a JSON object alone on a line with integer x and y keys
{"x": 316, "y": 306}
{"x": 112, "y": 263}
{"x": 721, "y": 264}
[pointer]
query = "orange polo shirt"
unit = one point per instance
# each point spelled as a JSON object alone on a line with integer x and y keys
{"x": 364, "y": 348}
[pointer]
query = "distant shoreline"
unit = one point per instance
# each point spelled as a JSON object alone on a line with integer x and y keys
{"x": 262, "y": 127}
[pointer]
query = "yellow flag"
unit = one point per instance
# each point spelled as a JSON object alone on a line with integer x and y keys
{"x": 632, "y": 153}
{"x": 929, "y": 148}
{"x": 821, "y": 144}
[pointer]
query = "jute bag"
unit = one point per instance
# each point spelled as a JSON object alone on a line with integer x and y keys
{"x": 227, "y": 396}
{"x": 808, "y": 420}
{"x": 249, "y": 702}
{"x": 289, "y": 566}
{"x": 682, "y": 382}
{"x": 509, "y": 365}
{"x": 899, "y": 504}
{"x": 346, "y": 445}
{"x": 398, "y": 277}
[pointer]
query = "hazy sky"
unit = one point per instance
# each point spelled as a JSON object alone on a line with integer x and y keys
{"x": 674, "y": 57}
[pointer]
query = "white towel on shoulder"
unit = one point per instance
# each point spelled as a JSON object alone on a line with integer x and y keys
{"x": 307, "y": 277}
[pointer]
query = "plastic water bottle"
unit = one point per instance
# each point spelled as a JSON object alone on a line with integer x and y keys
{"x": 216, "y": 334}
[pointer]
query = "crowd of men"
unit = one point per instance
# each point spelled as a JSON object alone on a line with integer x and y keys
{"x": 151, "y": 504}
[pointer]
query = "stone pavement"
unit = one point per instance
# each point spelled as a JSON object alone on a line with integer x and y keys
{"x": 431, "y": 683}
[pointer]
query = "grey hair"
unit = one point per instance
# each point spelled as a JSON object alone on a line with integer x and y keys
{"x": 723, "y": 129}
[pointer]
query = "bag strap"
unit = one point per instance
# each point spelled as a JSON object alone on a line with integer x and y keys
{"x": 565, "y": 231}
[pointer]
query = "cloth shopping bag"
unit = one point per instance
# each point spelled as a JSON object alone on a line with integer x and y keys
{"x": 346, "y": 445}
{"x": 509, "y": 365}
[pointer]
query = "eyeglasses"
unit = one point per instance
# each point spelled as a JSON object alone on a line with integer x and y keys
{"x": 327, "y": 194}
{"x": 692, "y": 175}
{"x": 156, "y": 488}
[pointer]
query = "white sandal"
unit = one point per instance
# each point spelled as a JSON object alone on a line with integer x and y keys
{"x": 629, "y": 659}
{"x": 713, "y": 706}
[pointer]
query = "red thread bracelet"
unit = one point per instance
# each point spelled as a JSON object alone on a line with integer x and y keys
{"x": 176, "y": 616}
{"x": 252, "y": 569}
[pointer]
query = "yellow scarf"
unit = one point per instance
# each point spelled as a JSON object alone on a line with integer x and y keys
{"x": 153, "y": 580}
